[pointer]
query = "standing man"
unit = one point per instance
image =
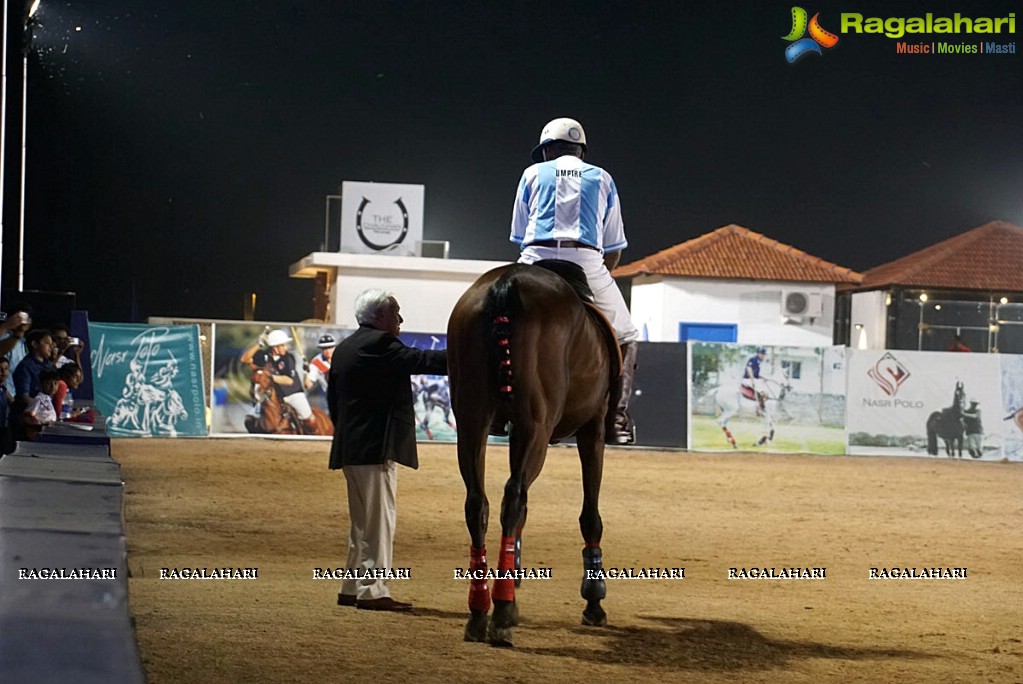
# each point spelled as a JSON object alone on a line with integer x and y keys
{"x": 370, "y": 398}
{"x": 568, "y": 209}
{"x": 974, "y": 428}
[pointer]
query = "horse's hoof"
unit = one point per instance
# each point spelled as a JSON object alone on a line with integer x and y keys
{"x": 476, "y": 628}
{"x": 500, "y": 637}
{"x": 595, "y": 617}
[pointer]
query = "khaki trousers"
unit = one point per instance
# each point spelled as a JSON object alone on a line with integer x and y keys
{"x": 371, "y": 507}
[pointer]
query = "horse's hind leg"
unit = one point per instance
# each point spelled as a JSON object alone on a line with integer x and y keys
{"x": 527, "y": 454}
{"x": 472, "y": 444}
{"x": 590, "y": 441}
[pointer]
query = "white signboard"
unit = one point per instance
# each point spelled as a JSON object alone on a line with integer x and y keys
{"x": 937, "y": 404}
{"x": 381, "y": 218}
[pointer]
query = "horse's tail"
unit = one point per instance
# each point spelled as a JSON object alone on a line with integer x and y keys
{"x": 502, "y": 308}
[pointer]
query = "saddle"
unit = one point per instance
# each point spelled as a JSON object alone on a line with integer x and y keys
{"x": 747, "y": 392}
{"x": 574, "y": 275}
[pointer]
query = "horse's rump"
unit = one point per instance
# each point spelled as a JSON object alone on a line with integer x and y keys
{"x": 524, "y": 328}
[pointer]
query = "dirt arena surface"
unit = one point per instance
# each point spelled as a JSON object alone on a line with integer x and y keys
{"x": 273, "y": 505}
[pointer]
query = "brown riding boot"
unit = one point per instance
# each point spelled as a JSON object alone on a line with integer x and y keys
{"x": 619, "y": 426}
{"x": 309, "y": 426}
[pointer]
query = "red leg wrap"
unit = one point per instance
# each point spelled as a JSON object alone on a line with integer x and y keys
{"x": 504, "y": 589}
{"x": 479, "y": 594}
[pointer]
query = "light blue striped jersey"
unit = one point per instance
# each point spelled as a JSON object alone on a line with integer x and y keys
{"x": 568, "y": 199}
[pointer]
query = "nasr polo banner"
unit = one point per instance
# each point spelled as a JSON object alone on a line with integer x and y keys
{"x": 148, "y": 380}
{"x": 918, "y": 403}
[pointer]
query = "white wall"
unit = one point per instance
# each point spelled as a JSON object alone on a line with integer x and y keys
{"x": 427, "y": 289}
{"x": 870, "y": 311}
{"x": 661, "y": 303}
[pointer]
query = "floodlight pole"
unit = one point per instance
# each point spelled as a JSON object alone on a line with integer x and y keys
{"x": 3, "y": 142}
{"x": 31, "y": 8}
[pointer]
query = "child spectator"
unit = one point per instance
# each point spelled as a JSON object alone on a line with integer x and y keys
{"x": 40, "y": 410}
{"x": 69, "y": 376}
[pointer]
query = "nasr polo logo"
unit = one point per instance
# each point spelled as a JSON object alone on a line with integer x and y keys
{"x": 801, "y": 46}
{"x": 384, "y": 227}
{"x": 889, "y": 374}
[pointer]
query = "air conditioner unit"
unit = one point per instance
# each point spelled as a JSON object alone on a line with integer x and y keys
{"x": 801, "y": 304}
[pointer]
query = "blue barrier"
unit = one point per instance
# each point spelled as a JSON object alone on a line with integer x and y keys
{"x": 64, "y": 613}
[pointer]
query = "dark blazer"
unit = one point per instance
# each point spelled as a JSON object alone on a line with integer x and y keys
{"x": 370, "y": 398}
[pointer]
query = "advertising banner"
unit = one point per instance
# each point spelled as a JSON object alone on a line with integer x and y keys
{"x": 1010, "y": 420}
{"x": 381, "y": 218}
{"x": 271, "y": 379}
{"x": 147, "y": 379}
{"x": 253, "y": 361}
{"x": 776, "y": 399}
{"x": 912, "y": 403}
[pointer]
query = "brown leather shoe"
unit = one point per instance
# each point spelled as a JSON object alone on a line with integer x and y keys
{"x": 384, "y": 603}
{"x": 346, "y": 599}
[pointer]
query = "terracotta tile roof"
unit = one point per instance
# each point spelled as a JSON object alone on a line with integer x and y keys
{"x": 737, "y": 252}
{"x": 989, "y": 257}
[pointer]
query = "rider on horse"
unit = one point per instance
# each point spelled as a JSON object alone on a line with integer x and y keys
{"x": 319, "y": 367}
{"x": 567, "y": 209}
{"x": 281, "y": 364}
{"x": 751, "y": 377}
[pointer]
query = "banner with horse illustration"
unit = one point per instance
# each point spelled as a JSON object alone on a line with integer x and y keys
{"x": 776, "y": 399}
{"x": 271, "y": 379}
{"x": 148, "y": 379}
{"x": 919, "y": 403}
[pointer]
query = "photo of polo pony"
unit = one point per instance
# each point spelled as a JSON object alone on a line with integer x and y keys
{"x": 948, "y": 425}
{"x": 523, "y": 348}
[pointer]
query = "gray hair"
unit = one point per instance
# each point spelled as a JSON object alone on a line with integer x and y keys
{"x": 371, "y": 304}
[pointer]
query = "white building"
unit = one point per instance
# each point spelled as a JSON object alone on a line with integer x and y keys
{"x": 426, "y": 288}
{"x": 735, "y": 285}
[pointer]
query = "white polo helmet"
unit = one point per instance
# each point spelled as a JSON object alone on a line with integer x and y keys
{"x": 277, "y": 337}
{"x": 565, "y": 129}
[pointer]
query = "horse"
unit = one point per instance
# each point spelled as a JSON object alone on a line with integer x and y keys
{"x": 731, "y": 402}
{"x": 948, "y": 424}
{"x": 276, "y": 417}
{"x": 524, "y": 348}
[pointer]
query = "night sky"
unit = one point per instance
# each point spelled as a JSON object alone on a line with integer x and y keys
{"x": 186, "y": 148}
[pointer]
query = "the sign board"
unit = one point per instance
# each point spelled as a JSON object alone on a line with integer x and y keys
{"x": 381, "y": 218}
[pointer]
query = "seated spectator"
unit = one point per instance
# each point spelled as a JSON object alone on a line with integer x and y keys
{"x": 39, "y": 411}
{"x": 7, "y": 443}
{"x": 26, "y": 375}
{"x": 66, "y": 349}
{"x": 69, "y": 377}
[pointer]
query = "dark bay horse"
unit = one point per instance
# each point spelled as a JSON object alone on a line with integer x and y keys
{"x": 276, "y": 417}
{"x": 523, "y": 348}
{"x": 948, "y": 424}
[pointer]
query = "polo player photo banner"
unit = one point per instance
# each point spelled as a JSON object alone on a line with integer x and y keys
{"x": 271, "y": 379}
{"x": 381, "y": 218}
{"x": 1011, "y": 415}
{"x": 773, "y": 399}
{"x": 147, "y": 379}
{"x": 431, "y": 394}
{"x": 932, "y": 404}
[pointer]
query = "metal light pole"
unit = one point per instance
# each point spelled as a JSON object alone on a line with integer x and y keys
{"x": 26, "y": 48}
{"x": 3, "y": 142}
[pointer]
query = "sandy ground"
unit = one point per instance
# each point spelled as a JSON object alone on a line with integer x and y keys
{"x": 273, "y": 505}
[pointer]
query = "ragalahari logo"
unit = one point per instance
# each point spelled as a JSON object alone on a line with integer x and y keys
{"x": 802, "y": 46}
{"x": 889, "y": 374}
